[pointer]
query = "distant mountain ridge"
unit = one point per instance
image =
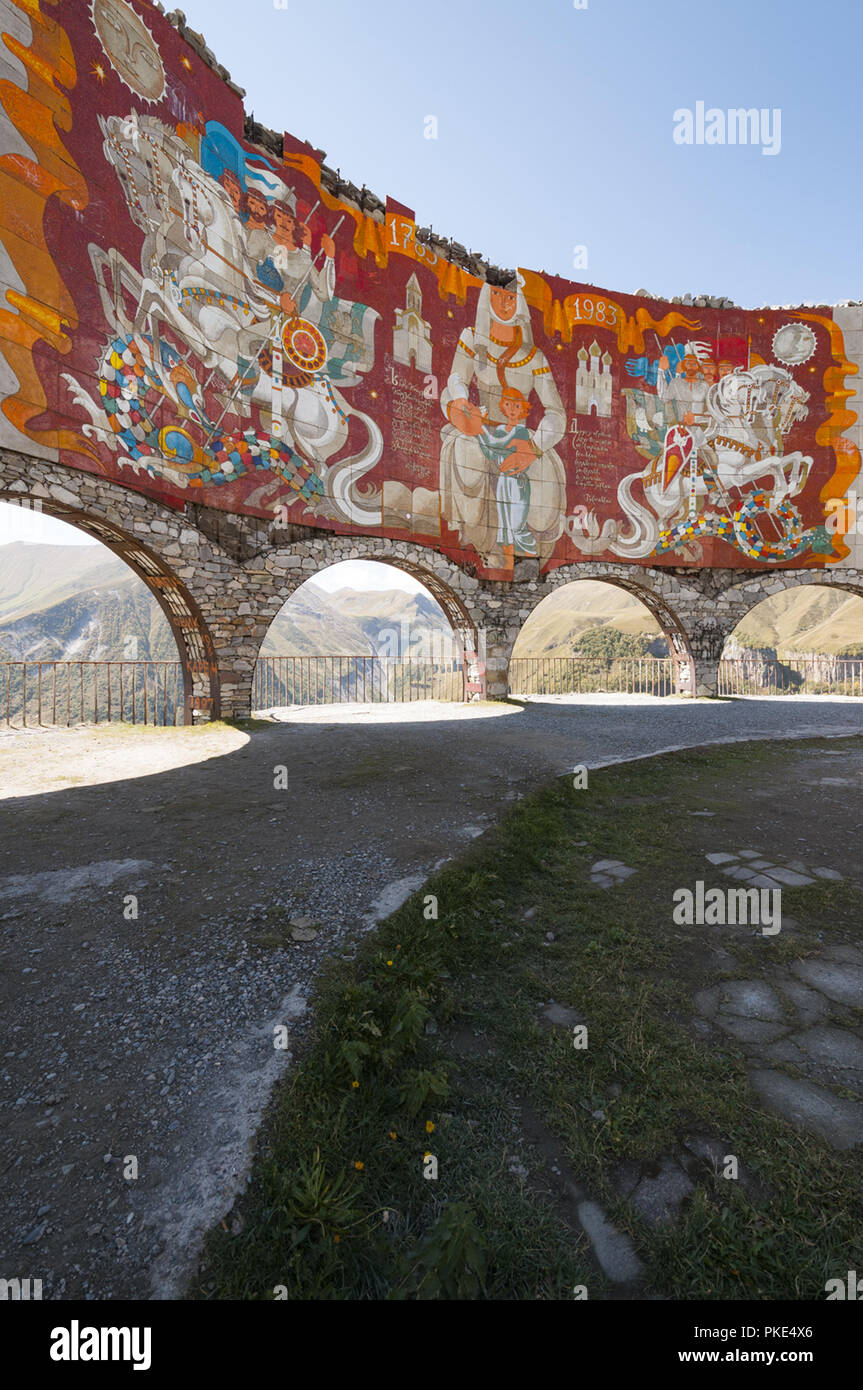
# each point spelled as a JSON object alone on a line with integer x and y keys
{"x": 386, "y": 622}
{"x": 83, "y": 603}
{"x": 77, "y": 603}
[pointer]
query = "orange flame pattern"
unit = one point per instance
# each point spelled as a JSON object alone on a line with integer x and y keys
{"x": 46, "y": 309}
{"x": 831, "y": 433}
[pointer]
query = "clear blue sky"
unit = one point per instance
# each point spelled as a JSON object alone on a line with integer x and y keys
{"x": 556, "y": 128}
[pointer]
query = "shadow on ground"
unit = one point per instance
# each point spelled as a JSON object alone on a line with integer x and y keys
{"x": 144, "y": 958}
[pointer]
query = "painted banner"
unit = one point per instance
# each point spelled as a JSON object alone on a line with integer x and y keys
{"x": 194, "y": 317}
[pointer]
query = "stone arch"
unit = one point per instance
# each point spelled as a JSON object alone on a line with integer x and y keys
{"x": 276, "y": 577}
{"x": 188, "y": 626}
{"x": 660, "y": 593}
{"x": 749, "y": 594}
{"x": 713, "y": 602}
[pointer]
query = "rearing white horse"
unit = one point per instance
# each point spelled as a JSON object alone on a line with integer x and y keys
{"x": 196, "y": 279}
{"x": 741, "y": 446}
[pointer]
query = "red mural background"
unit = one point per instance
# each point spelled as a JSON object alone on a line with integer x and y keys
{"x": 189, "y": 315}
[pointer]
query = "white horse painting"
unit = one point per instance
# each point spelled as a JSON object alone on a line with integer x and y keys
{"x": 196, "y": 281}
{"x": 739, "y": 449}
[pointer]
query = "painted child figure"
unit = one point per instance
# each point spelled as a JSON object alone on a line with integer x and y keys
{"x": 512, "y": 494}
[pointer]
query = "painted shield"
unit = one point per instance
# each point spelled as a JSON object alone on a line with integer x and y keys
{"x": 304, "y": 345}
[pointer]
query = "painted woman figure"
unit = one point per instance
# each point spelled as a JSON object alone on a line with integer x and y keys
{"x": 496, "y": 354}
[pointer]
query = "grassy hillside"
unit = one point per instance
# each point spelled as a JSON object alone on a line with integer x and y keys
{"x": 810, "y": 619}
{"x": 568, "y": 612}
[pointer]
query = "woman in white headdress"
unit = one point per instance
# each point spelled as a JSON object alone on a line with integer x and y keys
{"x": 498, "y": 353}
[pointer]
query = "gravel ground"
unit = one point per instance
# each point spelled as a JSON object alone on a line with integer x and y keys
{"x": 152, "y": 1037}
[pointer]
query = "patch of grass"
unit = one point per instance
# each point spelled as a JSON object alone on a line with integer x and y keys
{"x": 268, "y": 941}
{"x": 107, "y": 730}
{"x": 339, "y": 1207}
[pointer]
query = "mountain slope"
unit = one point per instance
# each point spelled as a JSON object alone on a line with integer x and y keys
{"x": 809, "y": 619}
{"x": 99, "y": 624}
{"x": 83, "y": 603}
{"x": 311, "y": 625}
{"x": 35, "y": 577}
{"x": 568, "y": 612}
{"x": 393, "y": 621}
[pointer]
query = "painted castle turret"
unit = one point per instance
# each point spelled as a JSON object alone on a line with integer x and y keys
{"x": 412, "y": 335}
{"x": 594, "y": 387}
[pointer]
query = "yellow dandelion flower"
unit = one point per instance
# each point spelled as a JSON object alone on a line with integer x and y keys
{"x": 389, "y": 962}
{"x": 356, "y": 1085}
{"x": 393, "y": 1134}
{"x": 359, "y": 1166}
{"x": 429, "y": 1127}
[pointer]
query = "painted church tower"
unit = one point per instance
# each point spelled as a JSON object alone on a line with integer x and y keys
{"x": 412, "y": 335}
{"x": 594, "y": 386}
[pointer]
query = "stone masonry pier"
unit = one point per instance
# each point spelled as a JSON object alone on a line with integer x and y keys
{"x": 221, "y": 579}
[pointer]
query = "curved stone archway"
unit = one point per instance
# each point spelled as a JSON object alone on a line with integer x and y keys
{"x": 751, "y": 591}
{"x": 275, "y": 578}
{"x": 737, "y": 599}
{"x": 660, "y": 593}
{"x": 659, "y": 590}
{"x": 220, "y": 579}
{"x": 120, "y": 526}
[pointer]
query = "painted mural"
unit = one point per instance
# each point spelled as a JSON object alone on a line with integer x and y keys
{"x": 196, "y": 318}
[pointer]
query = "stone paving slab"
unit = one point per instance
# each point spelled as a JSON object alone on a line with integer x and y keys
{"x": 613, "y": 1249}
{"x": 658, "y": 1198}
{"x": 809, "y": 1106}
{"x": 831, "y": 1055}
{"x": 841, "y": 982}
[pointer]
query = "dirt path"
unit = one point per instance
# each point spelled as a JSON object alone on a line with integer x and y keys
{"x": 150, "y": 1037}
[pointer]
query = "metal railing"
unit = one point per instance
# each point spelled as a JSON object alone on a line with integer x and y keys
{"x": 34, "y": 693}
{"x": 818, "y": 675}
{"x": 591, "y": 675}
{"x": 334, "y": 680}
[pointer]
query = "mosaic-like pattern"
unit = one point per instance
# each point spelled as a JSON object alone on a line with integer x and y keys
{"x": 195, "y": 318}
